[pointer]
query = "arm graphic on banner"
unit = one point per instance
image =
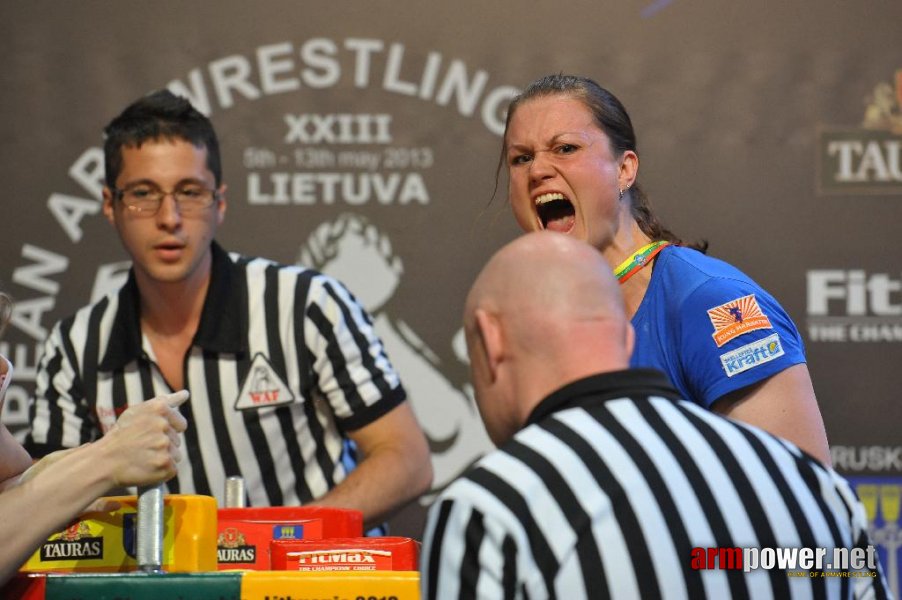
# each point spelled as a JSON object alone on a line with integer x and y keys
{"x": 354, "y": 251}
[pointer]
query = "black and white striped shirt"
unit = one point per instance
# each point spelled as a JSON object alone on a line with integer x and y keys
{"x": 283, "y": 362}
{"x": 612, "y": 484}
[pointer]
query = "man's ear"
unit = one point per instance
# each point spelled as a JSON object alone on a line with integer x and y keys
{"x": 108, "y": 205}
{"x": 491, "y": 338}
{"x": 221, "y": 205}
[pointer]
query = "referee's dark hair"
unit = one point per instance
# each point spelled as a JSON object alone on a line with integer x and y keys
{"x": 160, "y": 115}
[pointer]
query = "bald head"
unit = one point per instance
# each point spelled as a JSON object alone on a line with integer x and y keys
{"x": 544, "y": 311}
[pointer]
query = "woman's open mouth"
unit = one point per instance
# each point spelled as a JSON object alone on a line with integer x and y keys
{"x": 556, "y": 212}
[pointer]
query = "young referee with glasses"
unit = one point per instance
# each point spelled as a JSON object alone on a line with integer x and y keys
{"x": 283, "y": 365}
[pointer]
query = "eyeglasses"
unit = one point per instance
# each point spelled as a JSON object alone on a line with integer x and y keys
{"x": 146, "y": 200}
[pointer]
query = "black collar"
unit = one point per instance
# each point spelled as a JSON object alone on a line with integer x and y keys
{"x": 605, "y": 386}
{"x": 223, "y": 322}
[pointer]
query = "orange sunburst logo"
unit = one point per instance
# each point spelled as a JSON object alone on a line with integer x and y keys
{"x": 736, "y": 317}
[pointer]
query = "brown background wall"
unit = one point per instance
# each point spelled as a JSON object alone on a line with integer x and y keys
{"x": 735, "y": 107}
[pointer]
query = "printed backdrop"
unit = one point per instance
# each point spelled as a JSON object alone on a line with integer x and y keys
{"x": 362, "y": 138}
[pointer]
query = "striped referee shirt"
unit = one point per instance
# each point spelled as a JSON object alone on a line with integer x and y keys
{"x": 284, "y": 361}
{"x": 612, "y": 484}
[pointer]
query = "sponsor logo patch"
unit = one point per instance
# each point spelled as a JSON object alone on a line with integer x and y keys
{"x": 74, "y": 543}
{"x": 263, "y": 387}
{"x": 342, "y": 560}
{"x": 288, "y": 532}
{"x": 852, "y": 305}
{"x": 736, "y": 317}
{"x": 231, "y": 547}
{"x": 751, "y": 355}
{"x": 865, "y": 159}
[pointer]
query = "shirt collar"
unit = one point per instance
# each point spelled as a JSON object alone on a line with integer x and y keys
{"x": 602, "y": 387}
{"x": 222, "y": 322}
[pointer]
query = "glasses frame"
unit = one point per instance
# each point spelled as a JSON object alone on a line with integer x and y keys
{"x": 119, "y": 194}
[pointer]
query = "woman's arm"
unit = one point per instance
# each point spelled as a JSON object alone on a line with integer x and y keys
{"x": 784, "y": 405}
{"x": 142, "y": 451}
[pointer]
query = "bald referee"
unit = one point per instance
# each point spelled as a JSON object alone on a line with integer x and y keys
{"x": 605, "y": 484}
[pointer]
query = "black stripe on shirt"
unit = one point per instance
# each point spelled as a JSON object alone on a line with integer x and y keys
{"x": 509, "y": 569}
{"x": 590, "y": 563}
{"x": 309, "y": 383}
{"x": 669, "y": 511}
{"x": 702, "y": 491}
{"x": 193, "y": 449}
{"x": 227, "y": 453}
{"x": 264, "y": 457}
{"x": 512, "y": 499}
{"x": 55, "y": 414}
{"x": 363, "y": 344}
{"x": 469, "y": 567}
{"x": 88, "y": 371}
{"x": 284, "y": 414}
{"x": 807, "y": 539}
{"x": 756, "y": 512}
{"x": 438, "y": 539}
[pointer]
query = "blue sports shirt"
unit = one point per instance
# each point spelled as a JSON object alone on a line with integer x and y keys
{"x": 710, "y": 328}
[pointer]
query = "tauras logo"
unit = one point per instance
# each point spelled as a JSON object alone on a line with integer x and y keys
{"x": 853, "y": 306}
{"x": 241, "y": 554}
{"x": 867, "y": 160}
{"x": 231, "y": 547}
{"x": 83, "y": 548}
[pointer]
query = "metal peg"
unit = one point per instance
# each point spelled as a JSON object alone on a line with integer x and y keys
{"x": 235, "y": 494}
{"x": 149, "y": 533}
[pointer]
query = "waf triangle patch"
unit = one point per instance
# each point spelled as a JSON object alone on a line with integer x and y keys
{"x": 736, "y": 317}
{"x": 263, "y": 387}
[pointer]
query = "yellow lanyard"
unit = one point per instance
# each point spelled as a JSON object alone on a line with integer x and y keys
{"x": 638, "y": 260}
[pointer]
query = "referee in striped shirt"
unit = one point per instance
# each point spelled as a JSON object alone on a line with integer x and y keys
{"x": 605, "y": 484}
{"x": 283, "y": 365}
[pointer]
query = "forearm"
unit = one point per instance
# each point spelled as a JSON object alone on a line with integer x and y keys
{"x": 382, "y": 483}
{"x": 395, "y": 468}
{"x": 30, "y": 512}
{"x": 142, "y": 450}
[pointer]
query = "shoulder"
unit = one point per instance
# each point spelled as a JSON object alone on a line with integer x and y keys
{"x": 691, "y": 278}
{"x": 90, "y": 316}
{"x": 505, "y": 495}
{"x": 275, "y": 275}
{"x": 690, "y": 269}
{"x": 500, "y": 475}
{"x": 514, "y": 478}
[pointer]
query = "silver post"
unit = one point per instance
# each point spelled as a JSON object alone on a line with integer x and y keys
{"x": 235, "y": 495}
{"x": 150, "y": 529}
